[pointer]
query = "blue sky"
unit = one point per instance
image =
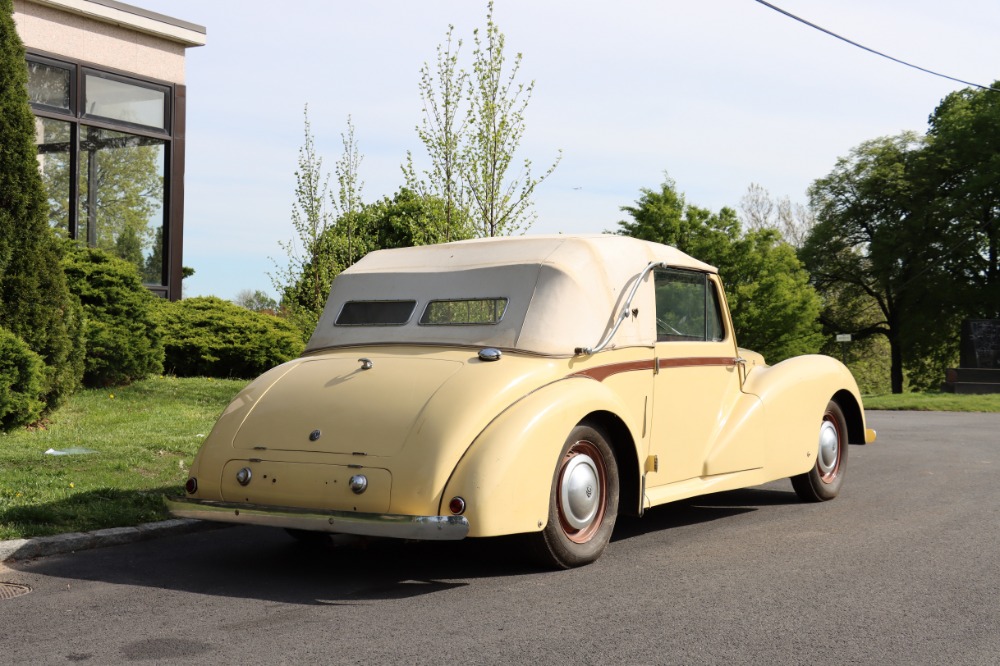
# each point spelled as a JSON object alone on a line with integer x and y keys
{"x": 720, "y": 94}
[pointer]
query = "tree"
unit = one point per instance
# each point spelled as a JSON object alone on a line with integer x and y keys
{"x": 310, "y": 219}
{"x": 348, "y": 201}
{"x": 875, "y": 251}
{"x": 35, "y": 303}
{"x": 964, "y": 154}
{"x": 759, "y": 210}
{"x": 442, "y": 131}
{"x": 774, "y": 309}
{"x": 472, "y": 161}
{"x": 256, "y": 300}
{"x": 405, "y": 220}
{"x": 497, "y": 103}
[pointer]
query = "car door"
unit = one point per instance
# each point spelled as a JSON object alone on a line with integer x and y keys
{"x": 697, "y": 381}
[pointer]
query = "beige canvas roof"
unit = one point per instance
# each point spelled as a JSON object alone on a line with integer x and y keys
{"x": 563, "y": 291}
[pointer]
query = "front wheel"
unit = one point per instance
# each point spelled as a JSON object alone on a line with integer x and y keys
{"x": 583, "y": 502}
{"x": 823, "y": 481}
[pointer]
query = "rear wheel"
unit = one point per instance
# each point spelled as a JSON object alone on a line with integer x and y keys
{"x": 583, "y": 502}
{"x": 823, "y": 481}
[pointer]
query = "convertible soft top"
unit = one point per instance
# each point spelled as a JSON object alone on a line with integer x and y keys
{"x": 554, "y": 293}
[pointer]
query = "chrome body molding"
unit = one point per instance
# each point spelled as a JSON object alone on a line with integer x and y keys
{"x": 427, "y": 528}
{"x": 623, "y": 314}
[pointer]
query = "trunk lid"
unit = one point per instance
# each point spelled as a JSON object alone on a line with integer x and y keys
{"x": 334, "y": 405}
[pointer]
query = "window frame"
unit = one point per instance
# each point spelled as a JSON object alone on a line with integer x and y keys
{"x": 128, "y": 80}
{"x": 73, "y": 85}
{"x": 172, "y": 134}
{"x": 709, "y": 286}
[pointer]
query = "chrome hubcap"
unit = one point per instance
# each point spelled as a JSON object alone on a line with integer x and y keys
{"x": 580, "y": 492}
{"x": 829, "y": 448}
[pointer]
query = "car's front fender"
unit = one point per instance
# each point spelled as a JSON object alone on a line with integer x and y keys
{"x": 505, "y": 477}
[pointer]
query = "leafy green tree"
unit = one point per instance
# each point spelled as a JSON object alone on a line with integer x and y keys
{"x": 35, "y": 303}
{"x": 405, "y": 220}
{"x": 775, "y": 311}
{"x": 876, "y": 252}
{"x": 964, "y": 160}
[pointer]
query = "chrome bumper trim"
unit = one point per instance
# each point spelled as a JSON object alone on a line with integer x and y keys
{"x": 428, "y": 528}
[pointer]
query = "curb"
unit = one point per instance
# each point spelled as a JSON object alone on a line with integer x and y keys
{"x": 26, "y": 549}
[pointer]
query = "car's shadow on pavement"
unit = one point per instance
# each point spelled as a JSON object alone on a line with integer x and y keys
{"x": 268, "y": 565}
{"x": 697, "y": 510}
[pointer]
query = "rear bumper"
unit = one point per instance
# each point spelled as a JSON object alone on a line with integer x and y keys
{"x": 428, "y": 528}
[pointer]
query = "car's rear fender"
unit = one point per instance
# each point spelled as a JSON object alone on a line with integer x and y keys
{"x": 505, "y": 477}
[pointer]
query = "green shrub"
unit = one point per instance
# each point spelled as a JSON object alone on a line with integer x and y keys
{"x": 123, "y": 341}
{"x": 35, "y": 304}
{"x": 210, "y": 337}
{"x": 22, "y": 381}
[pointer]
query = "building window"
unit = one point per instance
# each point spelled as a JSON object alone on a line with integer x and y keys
{"x": 113, "y": 99}
{"x": 49, "y": 85}
{"x": 104, "y": 149}
{"x": 121, "y": 197}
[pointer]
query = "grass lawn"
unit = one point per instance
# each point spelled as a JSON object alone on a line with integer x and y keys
{"x": 143, "y": 437}
{"x": 935, "y": 402}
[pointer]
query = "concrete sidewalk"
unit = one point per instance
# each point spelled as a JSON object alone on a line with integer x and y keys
{"x": 26, "y": 549}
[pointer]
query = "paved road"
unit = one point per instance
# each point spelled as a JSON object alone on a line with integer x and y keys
{"x": 903, "y": 568}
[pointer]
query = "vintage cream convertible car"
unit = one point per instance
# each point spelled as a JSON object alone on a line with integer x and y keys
{"x": 534, "y": 386}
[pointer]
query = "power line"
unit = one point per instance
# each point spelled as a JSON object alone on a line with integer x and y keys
{"x": 871, "y": 50}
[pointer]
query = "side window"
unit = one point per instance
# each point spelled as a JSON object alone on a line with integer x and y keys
{"x": 687, "y": 307}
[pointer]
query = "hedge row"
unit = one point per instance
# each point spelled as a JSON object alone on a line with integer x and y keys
{"x": 128, "y": 334}
{"x": 210, "y": 337}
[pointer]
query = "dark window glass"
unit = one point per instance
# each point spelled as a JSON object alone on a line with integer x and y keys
{"x": 128, "y": 102}
{"x": 687, "y": 307}
{"x": 54, "y": 143}
{"x": 716, "y": 332}
{"x": 121, "y": 197}
{"x": 464, "y": 312}
{"x": 375, "y": 313}
{"x": 49, "y": 85}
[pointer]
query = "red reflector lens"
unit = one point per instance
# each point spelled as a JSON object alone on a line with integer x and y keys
{"x": 457, "y": 505}
{"x": 191, "y": 486}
